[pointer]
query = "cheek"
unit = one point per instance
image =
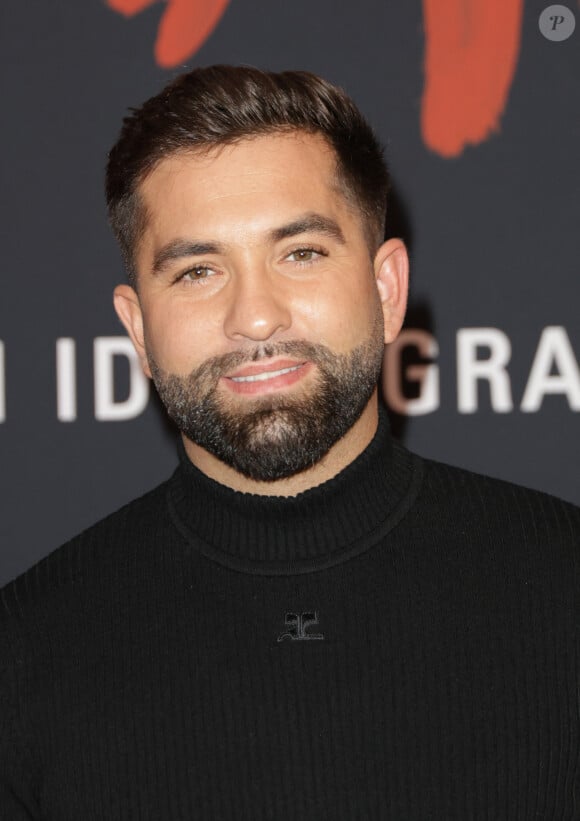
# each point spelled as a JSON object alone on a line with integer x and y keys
{"x": 178, "y": 340}
{"x": 341, "y": 317}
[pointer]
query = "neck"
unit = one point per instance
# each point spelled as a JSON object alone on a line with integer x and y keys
{"x": 341, "y": 454}
{"x": 317, "y": 528}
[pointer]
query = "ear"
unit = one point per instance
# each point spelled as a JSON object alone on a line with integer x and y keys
{"x": 392, "y": 277}
{"x": 128, "y": 310}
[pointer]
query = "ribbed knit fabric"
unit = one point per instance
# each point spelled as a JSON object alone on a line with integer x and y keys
{"x": 398, "y": 643}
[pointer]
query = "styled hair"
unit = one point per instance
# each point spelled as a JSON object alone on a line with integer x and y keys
{"x": 220, "y": 105}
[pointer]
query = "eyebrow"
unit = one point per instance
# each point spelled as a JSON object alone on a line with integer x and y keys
{"x": 306, "y": 223}
{"x": 310, "y": 222}
{"x": 180, "y": 248}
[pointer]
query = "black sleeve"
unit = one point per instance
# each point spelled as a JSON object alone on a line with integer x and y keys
{"x": 17, "y": 801}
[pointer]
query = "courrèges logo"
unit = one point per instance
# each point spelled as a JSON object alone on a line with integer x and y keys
{"x": 471, "y": 53}
{"x": 297, "y": 627}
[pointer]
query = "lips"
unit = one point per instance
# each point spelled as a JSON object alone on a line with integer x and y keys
{"x": 267, "y": 368}
{"x": 261, "y": 377}
{"x": 264, "y": 377}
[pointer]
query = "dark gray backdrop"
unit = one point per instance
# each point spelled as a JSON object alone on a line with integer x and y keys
{"x": 493, "y": 234}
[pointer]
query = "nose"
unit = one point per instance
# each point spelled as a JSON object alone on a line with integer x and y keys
{"x": 258, "y": 308}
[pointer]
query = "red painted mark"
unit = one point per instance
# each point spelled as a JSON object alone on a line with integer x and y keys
{"x": 129, "y": 7}
{"x": 471, "y": 53}
{"x": 184, "y": 27}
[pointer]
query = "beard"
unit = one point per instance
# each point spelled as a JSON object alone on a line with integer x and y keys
{"x": 277, "y": 435}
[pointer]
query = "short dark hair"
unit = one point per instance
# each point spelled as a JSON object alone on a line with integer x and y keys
{"x": 220, "y": 105}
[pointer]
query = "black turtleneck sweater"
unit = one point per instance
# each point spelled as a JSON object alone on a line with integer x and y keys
{"x": 398, "y": 643}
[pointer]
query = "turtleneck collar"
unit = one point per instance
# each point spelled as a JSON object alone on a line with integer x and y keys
{"x": 317, "y": 528}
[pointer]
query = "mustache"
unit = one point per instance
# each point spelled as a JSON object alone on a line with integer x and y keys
{"x": 217, "y": 366}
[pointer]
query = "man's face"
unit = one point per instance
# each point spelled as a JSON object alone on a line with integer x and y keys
{"x": 258, "y": 313}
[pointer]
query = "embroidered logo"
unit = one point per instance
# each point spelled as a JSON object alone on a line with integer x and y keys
{"x": 297, "y": 624}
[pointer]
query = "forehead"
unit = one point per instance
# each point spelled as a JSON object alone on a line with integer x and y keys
{"x": 252, "y": 182}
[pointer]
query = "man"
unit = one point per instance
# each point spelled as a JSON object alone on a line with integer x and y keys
{"x": 306, "y": 621}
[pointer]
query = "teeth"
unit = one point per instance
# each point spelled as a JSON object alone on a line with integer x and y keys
{"x": 261, "y": 377}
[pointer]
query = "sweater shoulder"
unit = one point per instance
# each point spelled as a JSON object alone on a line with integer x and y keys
{"x": 86, "y": 559}
{"x": 475, "y": 500}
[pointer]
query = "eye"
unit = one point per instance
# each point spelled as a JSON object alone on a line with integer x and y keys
{"x": 196, "y": 274}
{"x": 305, "y": 255}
